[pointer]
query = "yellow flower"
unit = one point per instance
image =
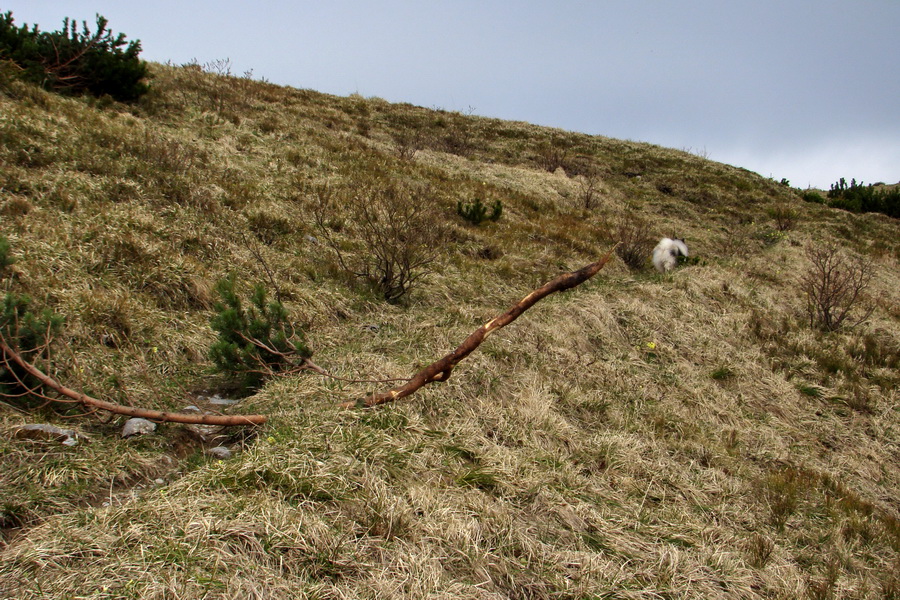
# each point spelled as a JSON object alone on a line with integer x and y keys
{"x": 651, "y": 345}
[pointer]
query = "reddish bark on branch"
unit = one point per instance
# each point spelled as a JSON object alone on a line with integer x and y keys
{"x": 441, "y": 370}
{"x": 153, "y": 415}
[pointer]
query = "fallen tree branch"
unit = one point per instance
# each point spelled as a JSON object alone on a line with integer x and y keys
{"x": 153, "y": 415}
{"x": 442, "y": 369}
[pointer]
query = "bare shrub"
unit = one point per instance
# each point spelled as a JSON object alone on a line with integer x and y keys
{"x": 834, "y": 286}
{"x": 589, "y": 188}
{"x": 391, "y": 235}
{"x": 458, "y": 137}
{"x": 407, "y": 143}
{"x": 785, "y": 217}
{"x": 552, "y": 155}
{"x": 635, "y": 240}
{"x": 169, "y": 155}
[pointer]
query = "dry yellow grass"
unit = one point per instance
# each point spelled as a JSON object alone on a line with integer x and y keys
{"x": 642, "y": 436}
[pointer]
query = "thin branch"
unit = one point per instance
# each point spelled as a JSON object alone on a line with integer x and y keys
{"x": 259, "y": 258}
{"x": 443, "y": 368}
{"x": 14, "y": 407}
{"x": 305, "y": 364}
{"x": 153, "y": 415}
{"x": 29, "y": 391}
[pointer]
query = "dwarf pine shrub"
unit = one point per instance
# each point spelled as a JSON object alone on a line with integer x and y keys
{"x": 256, "y": 340}
{"x": 857, "y": 197}
{"x": 6, "y": 260}
{"x": 23, "y": 329}
{"x": 476, "y": 212}
{"x": 813, "y": 196}
{"x": 76, "y": 61}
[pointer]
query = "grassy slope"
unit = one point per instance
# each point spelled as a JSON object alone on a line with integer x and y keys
{"x": 638, "y": 437}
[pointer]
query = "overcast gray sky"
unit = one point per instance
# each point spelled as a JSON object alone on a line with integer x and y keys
{"x": 807, "y": 90}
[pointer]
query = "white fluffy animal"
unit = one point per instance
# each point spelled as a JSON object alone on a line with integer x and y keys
{"x": 666, "y": 253}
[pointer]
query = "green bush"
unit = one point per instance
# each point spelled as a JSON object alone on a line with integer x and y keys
{"x": 476, "y": 212}
{"x": 5, "y": 259}
{"x": 857, "y": 197}
{"x": 813, "y": 196}
{"x": 24, "y": 330}
{"x": 76, "y": 62}
{"x": 784, "y": 215}
{"x": 254, "y": 342}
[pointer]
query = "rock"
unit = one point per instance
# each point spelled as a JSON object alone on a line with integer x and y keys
{"x": 50, "y": 433}
{"x": 191, "y": 408}
{"x": 220, "y": 452}
{"x": 204, "y": 432}
{"x": 137, "y": 426}
{"x": 220, "y": 401}
{"x": 312, "y": 239}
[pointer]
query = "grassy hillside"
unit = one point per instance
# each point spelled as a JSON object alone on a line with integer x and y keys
{"x": 641, "y": 436}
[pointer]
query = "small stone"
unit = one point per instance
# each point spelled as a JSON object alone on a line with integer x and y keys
{"x": 159, "y": 481}
{"x": 220, "y": 452}
{"x": 221, "y": 401}
{"x": 205, "y": 432}
{"x": 137, "y": 426}
{"x": 312, "y": 239}
{"x": 50, "y": 433}
{"x": 191, "y": 408}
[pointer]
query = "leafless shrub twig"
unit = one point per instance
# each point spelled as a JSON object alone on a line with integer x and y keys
{"x": 398, "y": 235}
{"x": 589, "y": 190}
{"x": 834, "y": 285}
{"x": 635, "y": 240}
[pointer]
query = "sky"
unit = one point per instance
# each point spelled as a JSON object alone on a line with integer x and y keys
{"x": 805, "y": 90}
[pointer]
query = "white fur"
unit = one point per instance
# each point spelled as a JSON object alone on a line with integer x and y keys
{"x": 666, "y": 253}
